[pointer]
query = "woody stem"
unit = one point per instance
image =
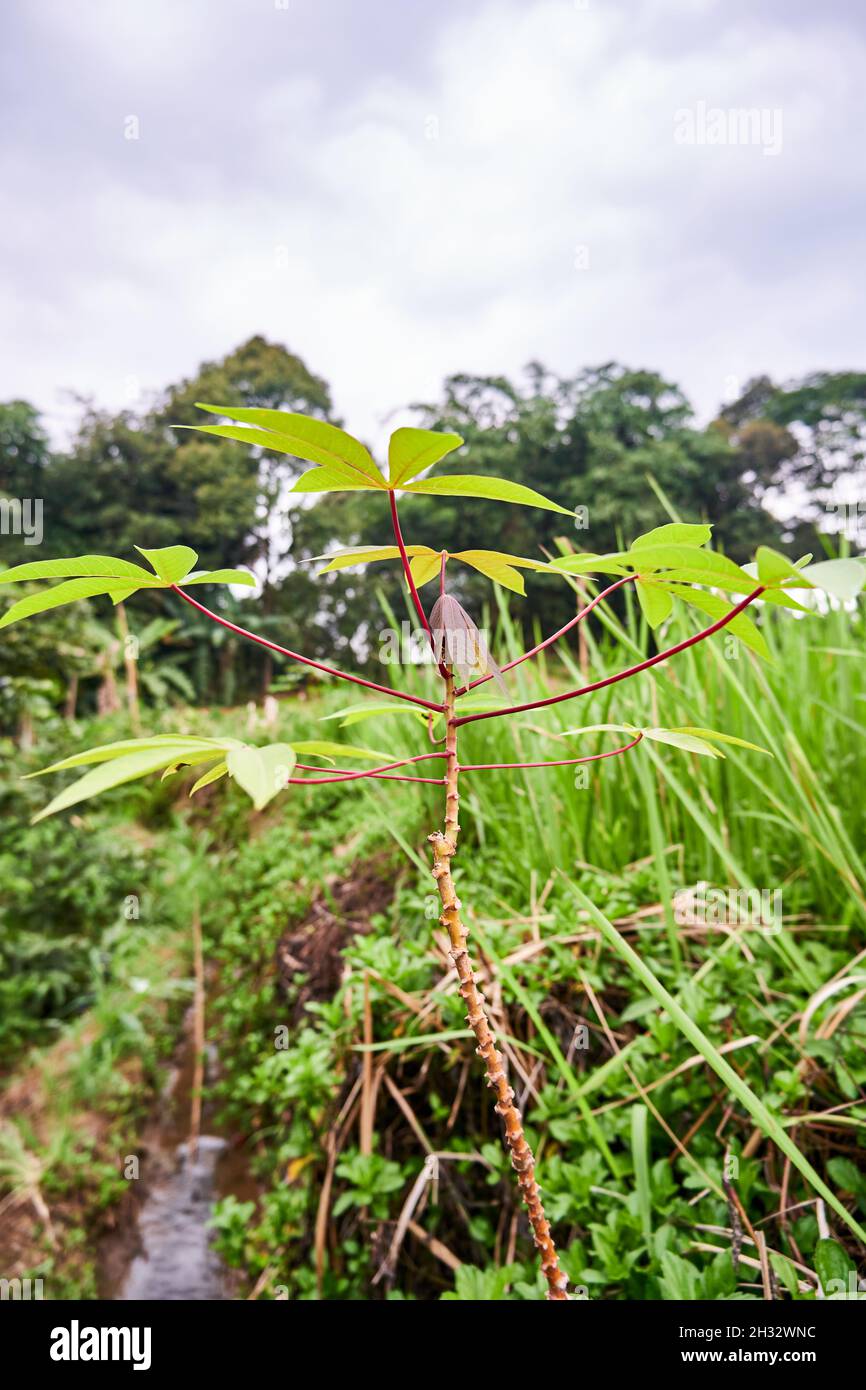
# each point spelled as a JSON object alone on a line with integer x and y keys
{"x": 444, "y": 848}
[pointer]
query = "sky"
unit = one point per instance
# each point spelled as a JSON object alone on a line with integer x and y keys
{"x": 400, "y": 189}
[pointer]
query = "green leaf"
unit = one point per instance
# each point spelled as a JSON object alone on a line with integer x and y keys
{"x": 330, "y": 480}
{"x": 222, "y": 577}
{"x": 424, "y": 568}
{"x": 785, "y": 1271}
{"x": 493, "y": 489}
{"x": 191, "y": 758}
{"x": 355, "y": 714}
{"x": 714, "y": 737}
{"x": 842, "y": 579}
{"x": 676, "y": 533}
{"x": 775, "y": 569}
{"x": 584, "y": 563}
{"x": 499, "y": 566}
{"x": 715, "y": 608}
{"x": 713, "y": 567}
{"x": 833, "y": 1266}
{"x": 689, "y": 743}
{"x": 286, "y": 432}
{"x": 109, "y": 774}
{"x": 495, "y": 567}
{"x": 687, "y": 563}
{"x": 105, "y": 752}
{"x": 410, "y": 451}
{"x": 656, "y": 603}
{"x": 749, "y": 582}
{"x": 55, "y": 597}
{"x": 846, "y": 1175}
{"x": 170, "y": 562}
{"x": 367, "y": 554}
{"x": 261, "y": 772}
{"x": 321, "y": 748}
{"x": 213, "y": 774}
{"x": 79, "y": 567}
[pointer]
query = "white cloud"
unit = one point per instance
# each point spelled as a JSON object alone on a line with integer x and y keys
{"x": 426, "y": 219}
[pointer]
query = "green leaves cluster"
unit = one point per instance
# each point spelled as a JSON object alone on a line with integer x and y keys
{"x": 425, "y": 563}
{"x": 87, "y": 576}
{"x": 342, "y": 464}
{"x": 669, "y": 561}
{"x": 260, "y": 772}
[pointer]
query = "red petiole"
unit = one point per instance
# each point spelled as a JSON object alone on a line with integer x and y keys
{"x": 306, "y": 660}
{"x": 620, "y": 675}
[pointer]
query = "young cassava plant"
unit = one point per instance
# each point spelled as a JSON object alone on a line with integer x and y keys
{"x": 669, "y": 564}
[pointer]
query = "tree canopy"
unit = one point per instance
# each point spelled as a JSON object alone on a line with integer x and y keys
{"x": 616, "y": 444}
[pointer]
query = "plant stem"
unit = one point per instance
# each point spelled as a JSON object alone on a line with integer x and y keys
{"x": 407, "y": 568}
{"x": 305, "y": 660}
{"x": 621, "y": 675}
{"x": 444, "y": 849}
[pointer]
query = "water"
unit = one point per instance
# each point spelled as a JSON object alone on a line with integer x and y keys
{"x": 176, "y": 1261}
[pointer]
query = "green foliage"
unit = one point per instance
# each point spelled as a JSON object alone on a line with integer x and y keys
{"x": 101, "y": 574}
{"x": 261, "y": 772}
{"x": 343, "y": 464}
{"x": 426, "y": 563}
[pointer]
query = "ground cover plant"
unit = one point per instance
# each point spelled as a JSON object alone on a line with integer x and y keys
{"x": 671, "y": 564}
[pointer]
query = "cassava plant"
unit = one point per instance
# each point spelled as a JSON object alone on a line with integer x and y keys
{"x": 669, "y": 564}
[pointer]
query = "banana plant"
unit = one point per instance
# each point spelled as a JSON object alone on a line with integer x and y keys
{"x": 670, "y": 565}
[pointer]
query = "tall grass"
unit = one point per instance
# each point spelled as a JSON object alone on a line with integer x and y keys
{"x": 793, "y": 819}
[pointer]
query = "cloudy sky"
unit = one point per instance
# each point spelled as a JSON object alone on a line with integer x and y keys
{"x": 397, "y": 189}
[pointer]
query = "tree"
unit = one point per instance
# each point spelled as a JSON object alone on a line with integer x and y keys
{"x": 593, "y": 440}
{"x": 804, "y": 439}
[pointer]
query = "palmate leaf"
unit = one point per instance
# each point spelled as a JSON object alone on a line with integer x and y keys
{"x": 260, "y": 772}
{"x": 344, "y": 465}
{"x": 425, "y": 562}
{"x": 89, "y": 576}
{"x": 678, "y": 562}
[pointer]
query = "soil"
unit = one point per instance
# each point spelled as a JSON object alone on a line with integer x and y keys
{"x": 341, "y": 909}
